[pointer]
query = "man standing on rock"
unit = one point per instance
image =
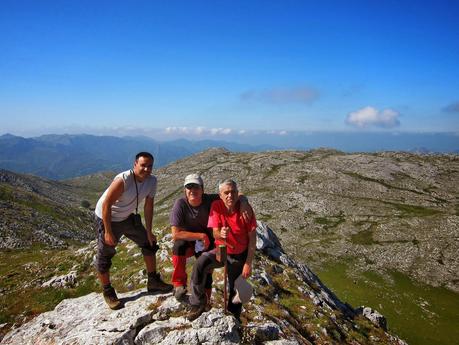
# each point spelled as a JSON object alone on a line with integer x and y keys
{"x": 115, "y": 217}
{"x": 190, "y": 233}
{"x": 239, "y": 236}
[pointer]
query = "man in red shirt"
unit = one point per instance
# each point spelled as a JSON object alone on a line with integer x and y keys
{"x": 188, "y": 219}
{"x": 238, "y": 235}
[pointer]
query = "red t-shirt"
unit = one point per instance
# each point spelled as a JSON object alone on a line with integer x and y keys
{"x": 238, "y": 237}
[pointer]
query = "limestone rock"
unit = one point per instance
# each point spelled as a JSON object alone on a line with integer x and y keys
{"x": 159, "y": 319}
{"x": 373, "y": 315}
{"x": 264, "y": 332}
{"x": 145, "y": 319}
{"x": 63, "y": 281}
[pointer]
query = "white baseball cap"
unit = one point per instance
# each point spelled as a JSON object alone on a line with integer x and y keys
{"x": 193, "y": 178}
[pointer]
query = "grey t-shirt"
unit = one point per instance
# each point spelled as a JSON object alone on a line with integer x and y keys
{"x": 193, "y": 219}
{"x": 127, "y": 202}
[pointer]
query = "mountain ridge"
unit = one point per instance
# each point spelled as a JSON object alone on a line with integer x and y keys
{"x": 65, "y": 156}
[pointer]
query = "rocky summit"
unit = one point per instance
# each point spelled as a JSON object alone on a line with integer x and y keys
{"x": 290, "y": 306}
{"x": 386, "y": 222}
{"x": 388, "y": 211}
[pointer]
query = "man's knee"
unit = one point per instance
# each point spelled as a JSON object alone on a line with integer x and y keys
{"x": 104, "y": 257}
{"x": 103, "y": 263}
{"x": 180, "y": 247}
{"x": 149, "y": 250}
{"x": 209, "y": 280}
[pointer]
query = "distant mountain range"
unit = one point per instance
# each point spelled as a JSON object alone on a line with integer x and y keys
{"x": 70, "y": 155}
{"x": 67, "y": 156}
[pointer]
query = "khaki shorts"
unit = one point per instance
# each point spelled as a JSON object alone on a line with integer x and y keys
{"x": 126, "y": 227}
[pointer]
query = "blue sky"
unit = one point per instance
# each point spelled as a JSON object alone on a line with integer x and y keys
{"x": 226, "y": 67}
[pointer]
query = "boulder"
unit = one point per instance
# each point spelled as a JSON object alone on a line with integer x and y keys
{"x": 145, "y": 319}
{"x": 373, "y": 315}
{"x": 64, "y": 281}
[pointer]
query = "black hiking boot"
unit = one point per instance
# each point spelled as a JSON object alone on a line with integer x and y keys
{"x": 111, "y": 299}
{"x": 156, "y": 284}
{"x": 195, "y": 312}
{"x": 180, "y": 293}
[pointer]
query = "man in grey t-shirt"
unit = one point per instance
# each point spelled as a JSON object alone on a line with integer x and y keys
{"x": 115, "y": 217}
{"x": 188, "y": 220}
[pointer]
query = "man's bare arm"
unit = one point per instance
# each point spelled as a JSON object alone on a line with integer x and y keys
{"x": 148, "y": 211}
{"x": 247, "y": 269}
{"x": 114, "y": 192}
{"x": 246, "y": 209}
{"x": 179, "y": 233}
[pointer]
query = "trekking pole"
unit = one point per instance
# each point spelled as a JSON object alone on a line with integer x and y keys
{"x": 225, "y": 288}
{"x": 221, "y": 257}
{"x": 222, "y": 249}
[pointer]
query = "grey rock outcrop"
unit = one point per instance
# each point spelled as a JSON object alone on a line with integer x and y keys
{"x": 159, "y": 319}
{"x": 63, "y": 281}
{"x": 87, "y": 320}
{"x": 268, "y": 243}
{"x": 373, "y": 315}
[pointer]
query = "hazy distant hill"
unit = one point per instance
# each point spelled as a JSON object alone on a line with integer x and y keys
{"x": 38, "y": 211}
{"x": 67, "y": 156}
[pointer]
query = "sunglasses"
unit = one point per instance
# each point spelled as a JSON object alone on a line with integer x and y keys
{"x": 192, "y": 185}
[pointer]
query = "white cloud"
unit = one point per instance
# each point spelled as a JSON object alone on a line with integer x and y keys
{"x": 218, "y": 131}
{"x": 369, "y": 116}
{"x": 272, "y": 132}
{"x": 204, "y": 132}
{"x": 198, "y": 131}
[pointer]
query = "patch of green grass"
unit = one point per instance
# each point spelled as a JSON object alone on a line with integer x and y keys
{"x": 329, "y": 222}
{"x": 6, "y": 192}
{"x": 264, "y": 217}
{"x": 46, "y": 299}
{"x": 382, "y": 182}
{"x": 364, "y": 237}
{"x": 273, "y": 170}
{"x": 262, "y": 190}
{"x": 418, "y": 313}
{"x": 302, "y": 178}
{"x": 407, "y": 211}
{"x": 23, "y": 271}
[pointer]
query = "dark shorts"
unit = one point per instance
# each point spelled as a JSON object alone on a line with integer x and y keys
{"x": 126, "y": 228}
{"x": 208, "y": 261}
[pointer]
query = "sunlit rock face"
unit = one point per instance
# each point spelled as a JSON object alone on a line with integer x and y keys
{"x": 160, "y": 319}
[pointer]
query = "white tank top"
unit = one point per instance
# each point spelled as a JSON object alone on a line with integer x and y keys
{"x": 127, "y": 202}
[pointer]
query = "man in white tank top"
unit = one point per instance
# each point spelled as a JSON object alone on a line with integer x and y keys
{"x": 117, "y": 215}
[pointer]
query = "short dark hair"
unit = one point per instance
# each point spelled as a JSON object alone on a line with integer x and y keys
{"x": 144, "y": 154}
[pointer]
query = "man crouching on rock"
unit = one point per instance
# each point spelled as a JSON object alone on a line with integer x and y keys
{"x": 239, "y": 236}
{"x": 190, "y": 232}
{"x": 115, "y": 217}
